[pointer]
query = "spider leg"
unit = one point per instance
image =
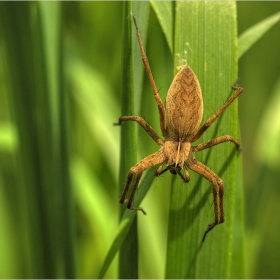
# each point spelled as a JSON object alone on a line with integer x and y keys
{"x": 214, "y": 142}
{"x": 144, "y": 124}
{"x": 130, "y": 200}
{"x": 203, "y": 128}
{"x": 218, "y": 192}
{"x": 149, "y": 161}
{"x": 161, "y": 107}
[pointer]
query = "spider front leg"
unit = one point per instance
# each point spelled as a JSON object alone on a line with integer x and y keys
{"x": 148, "y": 162}
{"x": 161, "y": 107}
{"x": 206, "y": 125}
{"x": 144, "y": 124}
{"x": 218, "y": 192}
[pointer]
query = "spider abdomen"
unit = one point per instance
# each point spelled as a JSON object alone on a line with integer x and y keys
{"x": 184, "y": 106}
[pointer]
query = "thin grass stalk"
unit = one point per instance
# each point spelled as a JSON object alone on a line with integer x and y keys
{"x": 128, "y": 257}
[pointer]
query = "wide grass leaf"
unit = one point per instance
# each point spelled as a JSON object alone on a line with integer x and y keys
{"x": 205, "y": 36}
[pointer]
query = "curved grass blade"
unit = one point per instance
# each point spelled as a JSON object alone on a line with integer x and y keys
{"x": 249, "y": 37}
{"x": 164, "y": 12}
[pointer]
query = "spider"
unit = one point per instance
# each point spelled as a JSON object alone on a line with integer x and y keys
{"x": 180, "y": 119}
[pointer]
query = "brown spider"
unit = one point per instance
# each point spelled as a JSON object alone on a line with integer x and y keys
{"x": 180, "y": 128}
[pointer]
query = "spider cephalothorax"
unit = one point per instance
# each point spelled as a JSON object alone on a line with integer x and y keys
{"x": 180, "y": 120}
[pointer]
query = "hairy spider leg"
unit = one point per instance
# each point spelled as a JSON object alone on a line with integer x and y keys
{"x": 161, "y": 107}
{"x": 215, "y": 141}
{"x": 218, "y": 192}
{"x": 146, "y": 163}
{"x": 238, "y": 91}
{"x": 132, "y": 194}
{"x": 144, "y": 124}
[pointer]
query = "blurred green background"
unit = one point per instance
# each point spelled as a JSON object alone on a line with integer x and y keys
{"x": 85, "y": 104}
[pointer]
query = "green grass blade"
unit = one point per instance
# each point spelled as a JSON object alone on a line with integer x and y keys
{"x": 238, "y": 260}
{"x": 261, "y": 224}
{"x": 141, "y": 11}
{"x": 8, "y": 137}
{"x": 57, "y": 154}
{"x": 164, "y": 12}
{"x": 128, "y": 257}
{"x": 266, "y": 153}
{"x": 128, "y": 147}
{"x": 126, "y": 222}
{"x": 248, "y": 38}
{"x": 32, "y": 33}
{"x": 205, "y": 35}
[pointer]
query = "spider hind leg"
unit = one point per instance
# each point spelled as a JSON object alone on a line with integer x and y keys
{"x": 133, "y": 191}
{"x": 218, "y": 192}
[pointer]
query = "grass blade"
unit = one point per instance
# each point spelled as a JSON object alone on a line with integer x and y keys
{"x": 248, "y": 38}
{"x": 213, "y": 57}
{"x": 164, "y": 12}
{"x": 128, "y": 148}
{"x": 33, "y": 52}
{"x": 128, "y": 257}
